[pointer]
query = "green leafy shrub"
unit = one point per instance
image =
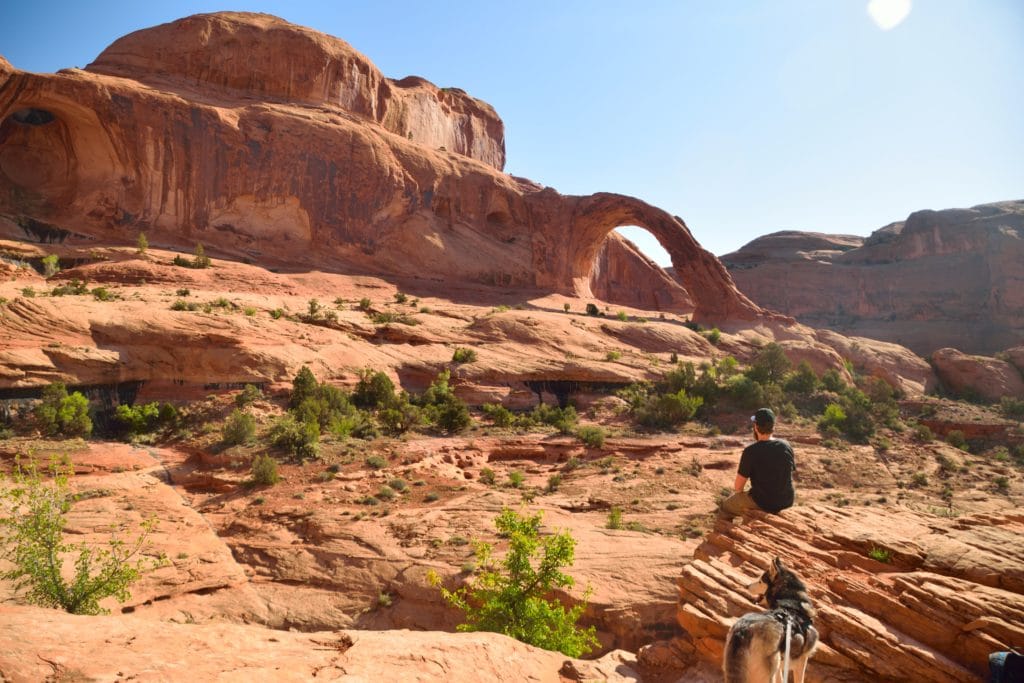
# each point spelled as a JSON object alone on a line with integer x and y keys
{"x": 373, "y": 389}
{"x": 463, "y": 355}
{"x": 614, "y": 518}
{"x": 516, "y": 479}
{"x": 143, "y": 418}
{"x": 833, "y": 381}
{"x": 714, "y": 336}
{"x": 770, "y": 365}
{"x": 803, "y": 381}
{"x": 562, "y": 419}
{"x": 51, "y": 265}
{"x": 592, "y": 437}
{"x": 956, "y": 439}
{"x": 301, "y": 439}
{"x": 103, "y": 294}
{"x": 499, "y": 414}
{"x": 32, "y": 521}
{"x": 240, "y": 427}
{"x": 621, "y": 316}
{"x": 264, "y": 470}
{"x": 72, "y": 288}
{"x": 365, "y": 304}
{"x": 401, "y": 297}
{"x": 668, "y": 410}
{"x": 880, "y": 555}
{"x": 248, "y": 395}
{"x": 613, "y": 356}
{"x": 923, "y": 433}
{"x": 487, "y": 476}
{"x": 63, "y": 414}
{"x": 512, "y": 596}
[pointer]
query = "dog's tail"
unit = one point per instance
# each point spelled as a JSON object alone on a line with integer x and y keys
{"x": 737, "y": 649}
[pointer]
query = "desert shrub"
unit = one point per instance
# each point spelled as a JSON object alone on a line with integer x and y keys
{"x": 240, "y": 427}
{"x": 554, "y": 481}
{"x": 880, "y": 555}
{"x": 516, "y": 479}
{"x": 803, "y": 381}
{"x": 357, "y": 424}
{"x": 513, "y": 596}
{"x": 72, "y": 288}
{"x": 365, "y": 304}
{"x": 33, "y": 515}
{"x": 770, "y": 365}
{"x": 248, "y": 395}
{"x": 919, "y": 480}
{"x": 376, "y": 462}
{"x": 103, "y": 294}
{"x": 138, "y": 419}
{"x": 463, "y": 355}
{"x": 386, "y": 317}
{"x": 277, "y": 313}
{"x": 301, "y": 439}
{"x": 264, "y": 470}
{"x": 452, "y": 417}
{"x": 621, "y": 316}
{"x": 956, "y": 439}
{"x": 562, "y": 419}
{"x": 63, "y": 414}
{"x": 714, "y": 336}
{"x": 200, "y": 259}
{"x": 400, "y": 415}
{"x": 745, "y": 392}
{"x": 613, "y": 356}
{"x": 668, "y": 410}
{"x": 28, "y": 292}
{"x": 923, "y": 433}
{"x": 832, "y": 381}
{"x": 1012, "y": 408}
{"x": 614, "y": 518}
{"x": 401, "y": 297}
{"x": 398, "y": 484}
{"x": 304, "y": 386}
{"x": 592, "y": 310}
{"x": 442, "y": 407}
{"x": 499, "y": 414}
{"x": 141, "y": 243}
{"x": 51, "y": 265}
{"x": 373, "y": 389}
{"x": 487, "y": 476}
{"x": 834, "y": 417}
{"x": 592, "y": 437}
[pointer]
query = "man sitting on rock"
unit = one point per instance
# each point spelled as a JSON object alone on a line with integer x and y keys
{"x": 769, "y": 465}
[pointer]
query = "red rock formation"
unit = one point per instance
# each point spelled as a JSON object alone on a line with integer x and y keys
{"x": 941, "y": 278}
{"x": 986, "y": 378}
{"x": 274, "y": 142}
{"x": 623, "y": 275}
{"x": 933, "y": 613}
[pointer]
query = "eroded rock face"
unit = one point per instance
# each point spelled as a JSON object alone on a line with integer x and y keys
{"x": 934, "y": 612}
{"x": 986, "y": 378}
{"x": 276, "y": 143}
{"x": 952, "y": 278}
{"x": 623, "y": 275}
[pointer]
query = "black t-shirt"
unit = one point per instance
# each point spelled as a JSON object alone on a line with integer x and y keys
{"x": 769, "y": 465}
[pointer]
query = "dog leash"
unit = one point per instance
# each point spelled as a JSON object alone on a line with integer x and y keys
{"x": 785, "y": 661}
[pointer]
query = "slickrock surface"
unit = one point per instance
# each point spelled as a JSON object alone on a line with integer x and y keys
{"x": 39, "y": 644}
{"x": 952, "y": 592}
{"x": 952, "y": 278}
{"x": 985, "y": 378}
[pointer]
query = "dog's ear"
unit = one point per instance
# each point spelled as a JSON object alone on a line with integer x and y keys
{"x": 776, "y": 568}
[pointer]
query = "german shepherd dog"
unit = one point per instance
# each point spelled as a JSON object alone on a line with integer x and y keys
{"x": 756, "y": 644}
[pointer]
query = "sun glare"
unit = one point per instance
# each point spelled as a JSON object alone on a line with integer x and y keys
{"x": 888, "y": 14}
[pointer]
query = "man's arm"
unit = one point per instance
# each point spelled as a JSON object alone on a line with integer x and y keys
{"x": 741, "y": 481}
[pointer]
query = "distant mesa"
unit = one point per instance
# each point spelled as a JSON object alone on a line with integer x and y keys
{"x": 952, "y": 278}
{"x": 269, "y": 141}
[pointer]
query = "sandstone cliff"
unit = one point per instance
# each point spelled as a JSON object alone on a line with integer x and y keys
{"x": 272, "y": 142}
{"x": 941, "y": 278}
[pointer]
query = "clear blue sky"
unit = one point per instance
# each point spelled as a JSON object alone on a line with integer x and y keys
{"x": 742, "y": 117}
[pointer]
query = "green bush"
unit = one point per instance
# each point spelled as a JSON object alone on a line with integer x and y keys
{"x": 463, "y": 355}
{"x": 141, "y": 243}
{"x": 1012, "y": 408}
{"x": 264, "y": 470}
{"x": 103, "y": 294}
{"x": 63, "y": 414}
{"x": 513, "y": 597}
{"x": 376, "y": 462}
{"x": 593, "y": 437}
{"x": 668, "y": 410}
{"x": 562, "y": 419}
{"x": 32, "y": 522}
{"x": 248, "y": 395}
{"x": 614, "y": 518}
{"x": 301, "y": 439}
{"x": 487, "y": 476}
{"x": 72, "y": 288}
{"x": 51, "y": 265}
{"x": 803, "y": 381}
{"x": 401, "y": 415}
{"x": 516, "y": 479}
{"x": 374, "y": 389}
{"x": 137, "y": 419}
{"x": 956, "y": 439}
{"x": 714, "y": 336}
{"x": 499, "y": 414}
{"x": 770, "y": 365}
{"x": 240, "y": 427}
{"x": 832, "y": 381}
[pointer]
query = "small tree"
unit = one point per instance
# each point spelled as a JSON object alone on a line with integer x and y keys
{"x": 62, "y": 413}
{"x": 32, "y": 521}
{"x": 303, "y": 386}
{"x": 239, "y": 428}
{"x": 141, "y": 244}
{"x": 51, "y": 265}
{"x": 513, "y": 596}
{"x": 201, "y": 260}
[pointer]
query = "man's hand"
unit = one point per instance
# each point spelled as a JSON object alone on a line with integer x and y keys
{"x": 740, "y": 482}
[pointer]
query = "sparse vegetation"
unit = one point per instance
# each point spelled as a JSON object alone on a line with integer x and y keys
{"x": 513, "y": 597}
{"x": 591, "y": 436}
{"x": 33, "y": 515}
{"x": 880, "y": 555}
{"x": 264, "y": 470}
{"x": 463, "y": 355}
{"x": 614, "y": 518}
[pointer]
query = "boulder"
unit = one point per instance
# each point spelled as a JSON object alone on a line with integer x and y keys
{"x": 986, "y": 378}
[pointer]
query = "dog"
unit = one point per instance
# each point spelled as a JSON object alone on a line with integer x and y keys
{"x": 756, "y": 644}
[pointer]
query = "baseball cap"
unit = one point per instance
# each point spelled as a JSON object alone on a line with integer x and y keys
{"x": 764, "y": 418}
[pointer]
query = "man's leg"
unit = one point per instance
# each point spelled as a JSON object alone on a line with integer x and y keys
{"x": 736, "y": 504}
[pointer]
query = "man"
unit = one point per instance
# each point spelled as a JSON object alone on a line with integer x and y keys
{"x": 769, "y": 465}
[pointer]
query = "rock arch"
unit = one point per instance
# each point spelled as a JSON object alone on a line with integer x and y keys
{"x": 564, "y": 258}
